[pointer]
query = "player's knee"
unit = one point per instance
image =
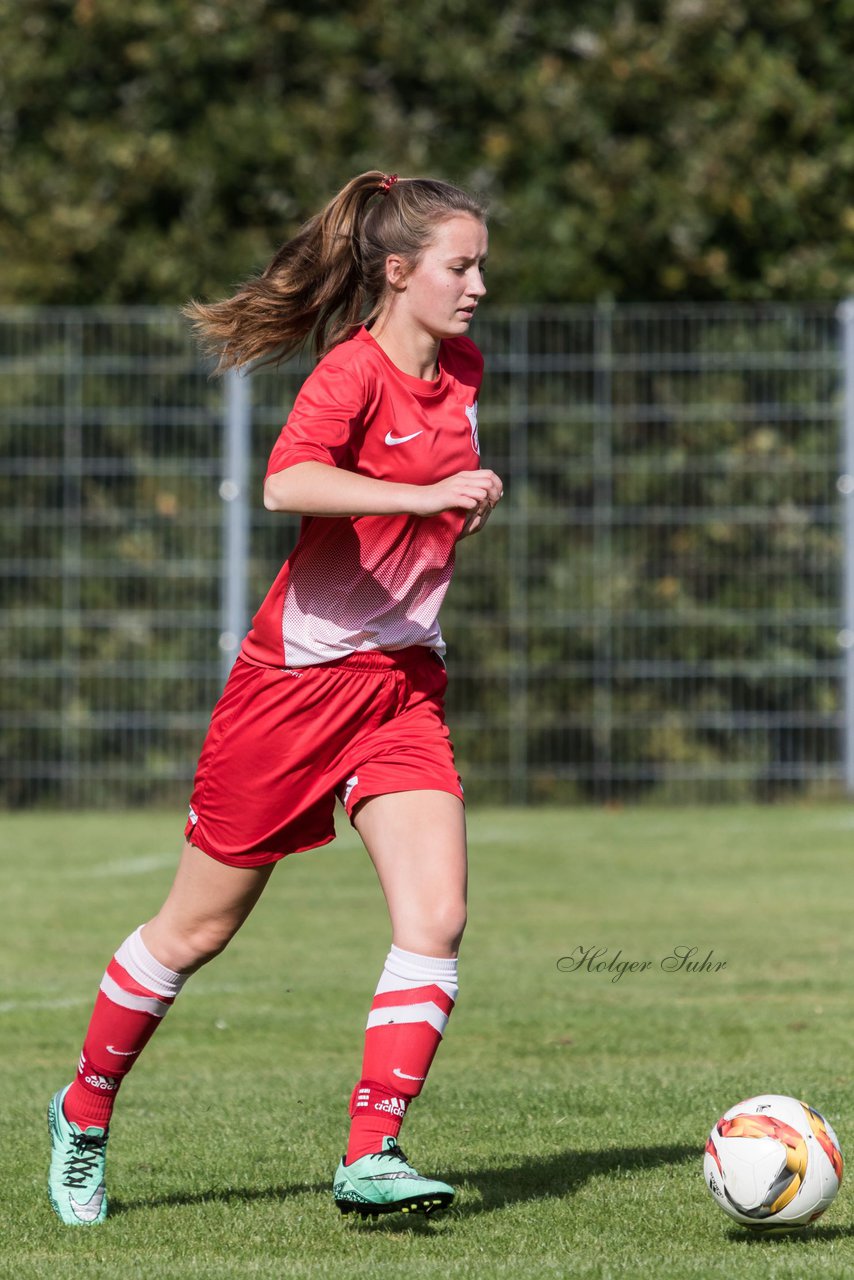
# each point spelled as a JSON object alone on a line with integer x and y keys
{"x": 456, "y": 923}
{"x": 445, "y": 927}
{"x": 210, "y": 939}
{"x": 191, "y": 947}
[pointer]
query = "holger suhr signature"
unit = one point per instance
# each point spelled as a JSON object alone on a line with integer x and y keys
{"x": 682, "y": 959}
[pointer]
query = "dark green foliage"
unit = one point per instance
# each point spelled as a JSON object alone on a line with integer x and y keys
{"x": 694, "y": 149}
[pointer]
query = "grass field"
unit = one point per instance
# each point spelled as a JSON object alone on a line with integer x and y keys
{"x": 569, "y": 1109}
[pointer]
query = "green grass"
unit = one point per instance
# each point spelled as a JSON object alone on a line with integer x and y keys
{"x": 569, "y": 1109}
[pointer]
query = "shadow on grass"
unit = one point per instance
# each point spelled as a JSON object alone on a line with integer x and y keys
{"x": 562, "y": 1174}
{"x": 534, "y": 1178}
{"x": 217, "y": 1195}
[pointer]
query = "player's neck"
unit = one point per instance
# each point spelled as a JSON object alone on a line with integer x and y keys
{"x": 410, "y": 349}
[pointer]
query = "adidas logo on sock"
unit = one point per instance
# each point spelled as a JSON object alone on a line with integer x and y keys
{"x": 95, "y": 1079}
{"x": 394, "y": 1106}
{"x": 107, "y": 1083}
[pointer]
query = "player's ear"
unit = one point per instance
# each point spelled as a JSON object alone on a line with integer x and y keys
{"x": 396, "y": 271}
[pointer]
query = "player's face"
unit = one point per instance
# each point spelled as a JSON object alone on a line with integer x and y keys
{"x": 441, "y": 292}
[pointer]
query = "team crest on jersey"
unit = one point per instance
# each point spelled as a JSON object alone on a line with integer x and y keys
{"x": 471, "y": 414}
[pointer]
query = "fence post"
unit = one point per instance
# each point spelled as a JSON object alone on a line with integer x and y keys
{"x": 518, "y": 753}
{"x": 70, "y": 782}
{"x": 603, "y": 514}
{"x": 235, "y": 516}
{"x": 845, "y": 484}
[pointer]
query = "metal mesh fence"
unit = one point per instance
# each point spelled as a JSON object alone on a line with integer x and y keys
{"x": 655, "y": 609}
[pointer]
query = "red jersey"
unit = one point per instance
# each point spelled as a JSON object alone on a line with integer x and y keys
{"x": 356, "y": 583}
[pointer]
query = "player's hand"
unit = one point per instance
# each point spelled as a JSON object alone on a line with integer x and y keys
{"x": 475, "y": 520}
{"x": 471, "y": 491}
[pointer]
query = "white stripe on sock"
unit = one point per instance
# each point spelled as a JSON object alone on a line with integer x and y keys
{"x": 135, "y": 958}
{"x": 143, "y": 1004}
{"x": 427, "y": 1012}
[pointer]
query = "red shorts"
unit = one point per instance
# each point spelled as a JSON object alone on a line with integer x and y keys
{"x": 282, "y": 744}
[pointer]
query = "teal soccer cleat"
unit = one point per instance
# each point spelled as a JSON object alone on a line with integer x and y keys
{"x": 76, "y": 1181}
{"x": 385, "y": 1183}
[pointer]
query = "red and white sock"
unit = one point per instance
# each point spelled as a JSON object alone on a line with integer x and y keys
{"x": 136, "y": 991}
{"x": 410, "y": 1011}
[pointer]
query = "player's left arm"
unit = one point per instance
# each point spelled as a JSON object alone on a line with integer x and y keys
{"x": 475, "y": 520}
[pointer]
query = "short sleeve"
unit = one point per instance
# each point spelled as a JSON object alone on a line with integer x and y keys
{"x": 327, "y": 415}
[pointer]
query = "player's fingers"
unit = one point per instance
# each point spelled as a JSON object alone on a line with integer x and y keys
{"x": 476, "y": 492}
{"x": 484, "y": 476}
{"x": 468, "y": 501}
{"x": 494, "y": 489}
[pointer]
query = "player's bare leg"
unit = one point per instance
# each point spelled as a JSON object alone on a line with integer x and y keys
{"x": 416, "y": 840}
{"x": 206, "y": 905}
{"x": 417, "y": 843}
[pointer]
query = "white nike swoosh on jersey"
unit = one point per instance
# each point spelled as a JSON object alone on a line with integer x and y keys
{"x": 397, "y": 1072}
{"x": 392, "y": 439}
{"x": 122, "y": 1053}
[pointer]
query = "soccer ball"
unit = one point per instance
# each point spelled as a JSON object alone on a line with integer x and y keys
{"x": 773, "y": 1163}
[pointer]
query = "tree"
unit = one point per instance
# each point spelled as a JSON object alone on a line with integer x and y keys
{"x": 690, "y": 149}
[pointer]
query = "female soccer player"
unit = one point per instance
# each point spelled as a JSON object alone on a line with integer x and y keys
{"x": 338, "y": 689}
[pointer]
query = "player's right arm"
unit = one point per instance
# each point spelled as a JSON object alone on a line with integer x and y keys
{"x": 318, "y": 489}
{"x": 310, "y": 471}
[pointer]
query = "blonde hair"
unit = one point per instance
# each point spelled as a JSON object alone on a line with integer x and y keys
{"x": 330, "y": 277}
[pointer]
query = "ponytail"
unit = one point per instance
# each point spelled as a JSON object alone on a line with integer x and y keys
{"x": 331, "y": 276}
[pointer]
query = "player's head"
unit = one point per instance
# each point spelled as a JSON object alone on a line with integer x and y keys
{"x": 331, "y": 275}
{"x": 403, "y": 222}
